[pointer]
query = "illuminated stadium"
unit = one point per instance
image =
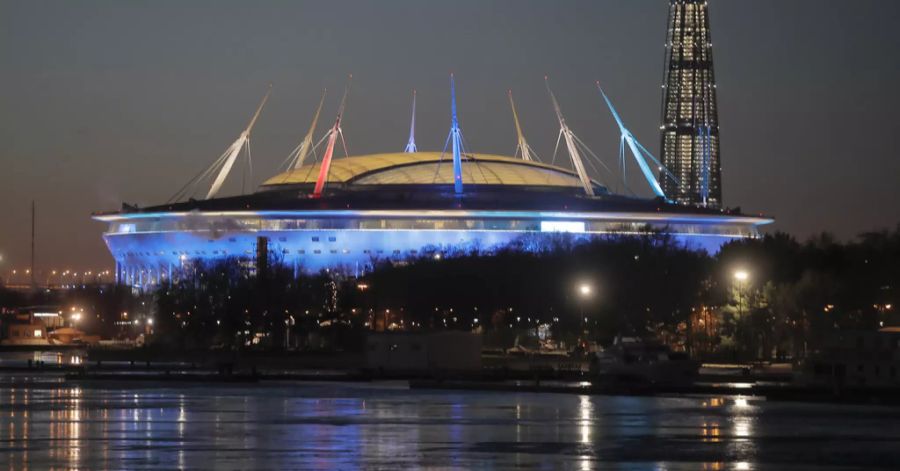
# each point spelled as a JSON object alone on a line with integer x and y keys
{"x": 346, "y": 213}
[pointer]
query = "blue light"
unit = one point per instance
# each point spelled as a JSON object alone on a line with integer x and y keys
{"x": 456, "y": 138}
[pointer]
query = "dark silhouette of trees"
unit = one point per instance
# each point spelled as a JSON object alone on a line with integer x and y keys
{"x": 795, "y": 296}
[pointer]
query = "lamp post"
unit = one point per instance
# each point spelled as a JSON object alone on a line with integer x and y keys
{"x": 584, "y": 291}
{"x": 741, "y": 276}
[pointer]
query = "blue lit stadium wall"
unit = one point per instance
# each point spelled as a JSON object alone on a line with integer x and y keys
{"x": 147, "y": 257}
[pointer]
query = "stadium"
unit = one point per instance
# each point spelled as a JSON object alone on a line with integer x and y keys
{"x": 347, "y": 213}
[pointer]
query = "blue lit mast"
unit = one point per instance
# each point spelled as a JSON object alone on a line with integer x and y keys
{"x": 455, "y": 139}
{"x": 570, "y": 139}
{"x": 411, "y": 145}
{"x": 637, "y": 150}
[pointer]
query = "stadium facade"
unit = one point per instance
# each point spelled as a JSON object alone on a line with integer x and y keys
{"x": 396, "y": 206}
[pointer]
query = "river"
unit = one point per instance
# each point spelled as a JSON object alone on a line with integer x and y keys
{"x": 48, "y": 423}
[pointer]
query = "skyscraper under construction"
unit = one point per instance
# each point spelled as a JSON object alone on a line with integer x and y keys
{"x": 690, "y": 122}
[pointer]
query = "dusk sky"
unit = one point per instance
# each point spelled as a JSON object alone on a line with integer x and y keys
{"x": 105, "y": 102}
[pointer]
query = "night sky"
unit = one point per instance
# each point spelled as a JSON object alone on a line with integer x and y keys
{"x": 105, "y": 102}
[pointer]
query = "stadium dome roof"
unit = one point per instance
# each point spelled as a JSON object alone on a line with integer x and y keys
{"x": 424, "y": 168}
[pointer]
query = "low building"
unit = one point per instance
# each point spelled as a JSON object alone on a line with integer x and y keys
{"x": 856, "y": 359}
{"x": 42, "y": 326}
{"x": 24, "y": 334}
{"x": 417, "y": 353}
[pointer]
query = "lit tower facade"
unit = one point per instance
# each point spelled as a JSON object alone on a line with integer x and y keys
{"x": 690, "y": 122}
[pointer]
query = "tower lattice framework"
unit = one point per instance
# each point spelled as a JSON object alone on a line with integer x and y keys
{"x": 690, "y": 122}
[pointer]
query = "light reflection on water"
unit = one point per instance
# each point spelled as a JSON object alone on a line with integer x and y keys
{"x": 326, "y": 426}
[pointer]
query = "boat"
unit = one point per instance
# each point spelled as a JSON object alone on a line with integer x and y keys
{"x": 638, "y": 360}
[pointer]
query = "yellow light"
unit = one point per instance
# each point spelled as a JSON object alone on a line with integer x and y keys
{"x": 585, "y": 289}
{"x": 741, "y": 275}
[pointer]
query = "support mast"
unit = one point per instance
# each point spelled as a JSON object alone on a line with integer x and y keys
{"x": 226, "y": 160}
{"x": 522, "y": 147}
{"x": 454, "y": 139}
{"x": 411, "y": 145}
{"x": 569, "y": 136}
{"x": 637, "y": 150}
{"x": 307, "y": 143}
{"x": 329, "y": 150}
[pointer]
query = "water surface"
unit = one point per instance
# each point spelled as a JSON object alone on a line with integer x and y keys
{"x": 47, "y": 423}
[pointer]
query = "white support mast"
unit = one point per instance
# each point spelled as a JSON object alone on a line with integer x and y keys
{"x": 522, "y": 148}
{"x": 411, "y": 145}
{"x": 570, "y": 138}
{"x": 298, "y": 157}
{"x": 226, "y": 160}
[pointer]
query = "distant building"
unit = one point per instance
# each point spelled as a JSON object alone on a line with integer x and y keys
{"x": 418, "y": 353}
{"x": 690, "y": 121}
{"x": 856, "y": 359}
{"x": 39, "y": 326}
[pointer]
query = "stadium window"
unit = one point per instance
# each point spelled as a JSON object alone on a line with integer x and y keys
{"x": 345, "y": 251}
{"x": 232, "y": 239}
{"x": 367, "y": 251}
{"x": 333, "y": 250}
{"x": 315, "y": 239}
{"x": 301, "y": 251}
{"x": 397, "y": 252}
{"x": 332, "y": 239}
{"x": 317, "y": 251}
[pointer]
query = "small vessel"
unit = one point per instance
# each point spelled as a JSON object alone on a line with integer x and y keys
{"x": 637, "y": 360}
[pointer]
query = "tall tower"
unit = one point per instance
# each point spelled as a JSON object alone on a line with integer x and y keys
{"x": 690, "y": 121}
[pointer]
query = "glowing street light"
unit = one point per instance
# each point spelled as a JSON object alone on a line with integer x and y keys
{"x": 585, "y": 290}
{"x": 741, "y": 276}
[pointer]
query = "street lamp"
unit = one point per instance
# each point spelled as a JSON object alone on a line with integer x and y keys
{"x": 584, "y": 290}
{"x": 741, "y": 276}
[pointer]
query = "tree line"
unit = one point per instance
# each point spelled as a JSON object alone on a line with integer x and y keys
{"x": 790, "y": 297}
